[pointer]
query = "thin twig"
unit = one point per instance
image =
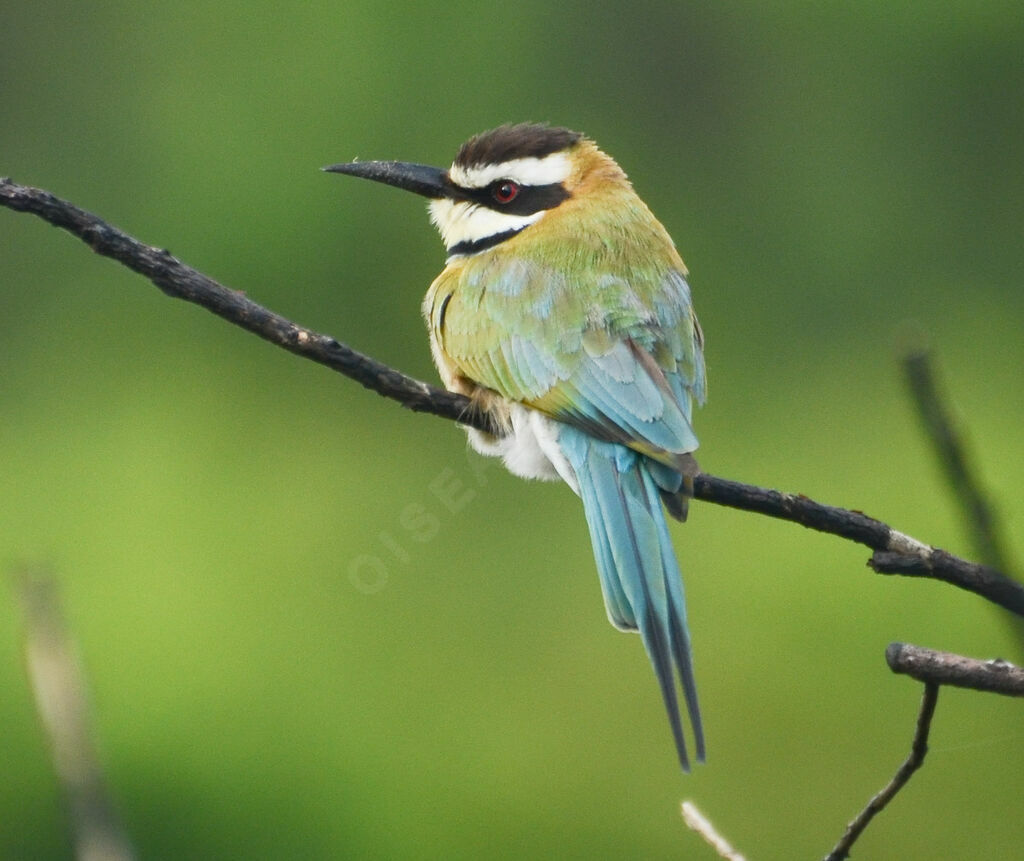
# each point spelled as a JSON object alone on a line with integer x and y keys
{"x": 900, "y": 553}
{"x": 955, "y": 461}
{"x": 943, "y": 668}
{"x": 60, "y": 692}
{"x": 918, "y": 749}
{"x": 180, "y": 281}
{"x": 697, "y": 821}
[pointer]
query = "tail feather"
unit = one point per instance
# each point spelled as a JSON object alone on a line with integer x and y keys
{"x": 617, "y": 604}
{"x": 681, "y": 642}
{"x": 637, "y": 566}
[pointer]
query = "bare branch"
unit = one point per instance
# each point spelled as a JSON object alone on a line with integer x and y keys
{"x": 180, "y": 281}
{"x": 902, "y": 554}
{"x": 954, "y": 460}
{"x": 918, "y": 749}
{"x": 943, "y": 668}
{"x": 939, "y": 565}
{"x": 895, "y": 552}
{"x": 934, "y": 669}
{"x": 60, "y": 693}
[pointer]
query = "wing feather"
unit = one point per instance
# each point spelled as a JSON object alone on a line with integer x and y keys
{"x": 619, "y": 356}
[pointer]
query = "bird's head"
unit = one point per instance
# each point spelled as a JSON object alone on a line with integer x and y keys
{"x": 502, "y": 182}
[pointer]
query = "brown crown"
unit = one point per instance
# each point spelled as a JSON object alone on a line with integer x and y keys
{"x": 525, "y": 140}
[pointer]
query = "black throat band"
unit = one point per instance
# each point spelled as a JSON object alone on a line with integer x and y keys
{"x": 472, "y": 246}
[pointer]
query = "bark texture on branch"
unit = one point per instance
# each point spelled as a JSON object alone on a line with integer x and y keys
{"x": 895, "y": 551}
{"x": 944, "y": 668}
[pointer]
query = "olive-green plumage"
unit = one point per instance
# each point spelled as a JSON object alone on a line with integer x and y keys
{"x": 596, "y": 281}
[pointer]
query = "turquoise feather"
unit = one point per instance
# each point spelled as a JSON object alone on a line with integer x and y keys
{"x": 565, "y": 314}
{"x": 619, "y": 374}
{"x": 637, "y": 566}
{"x": 585, "y": 317}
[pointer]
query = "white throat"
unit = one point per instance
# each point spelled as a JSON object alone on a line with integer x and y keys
{"x": 461, "y": 221}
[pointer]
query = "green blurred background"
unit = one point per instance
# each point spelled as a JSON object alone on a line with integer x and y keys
{"x": 295, "y": 648}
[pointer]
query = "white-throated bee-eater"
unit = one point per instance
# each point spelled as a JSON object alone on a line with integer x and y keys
{"x": 563, "y": 311}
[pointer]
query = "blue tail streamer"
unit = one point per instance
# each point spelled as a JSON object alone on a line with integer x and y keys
{"x": 636, "y": 563}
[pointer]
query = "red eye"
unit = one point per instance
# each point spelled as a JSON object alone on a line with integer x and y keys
{"x": 505, "y": 191}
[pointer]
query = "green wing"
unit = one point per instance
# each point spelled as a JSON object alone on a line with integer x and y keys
{"x": 617, "y": 355}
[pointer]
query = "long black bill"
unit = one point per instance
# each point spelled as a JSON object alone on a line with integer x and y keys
{"x": 431, "y": 182}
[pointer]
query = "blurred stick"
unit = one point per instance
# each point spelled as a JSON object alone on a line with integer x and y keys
{"x": 895, "y": 552}
{"x": 954, "y": 461}
{"x": 697, "y": 821}
{"x": 918, "y": 749}
{"x": 58, "y": 684}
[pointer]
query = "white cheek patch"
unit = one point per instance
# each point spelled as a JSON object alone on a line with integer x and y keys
{"x": 549, "y": 170}
{"x": 463, "y": 221}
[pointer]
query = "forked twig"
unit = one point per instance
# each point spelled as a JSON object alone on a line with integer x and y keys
{"x": 893, "y": 552}
{"x": 918, "y": 749}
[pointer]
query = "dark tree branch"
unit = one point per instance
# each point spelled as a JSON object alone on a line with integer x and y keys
{"x": 895, "y": 552}
{"x": 918, "y": 749}
{"x": 934, "y": 669}
{"x": 940, "y": 565}
{"x": 180, "y": 281}
{"x": 942, "y": 668}
{"x": 901, "y": 553}
{"x": 954, "y": 461}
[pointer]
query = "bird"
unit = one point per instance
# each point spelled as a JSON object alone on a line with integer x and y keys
{"x": 564, "y": 313}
